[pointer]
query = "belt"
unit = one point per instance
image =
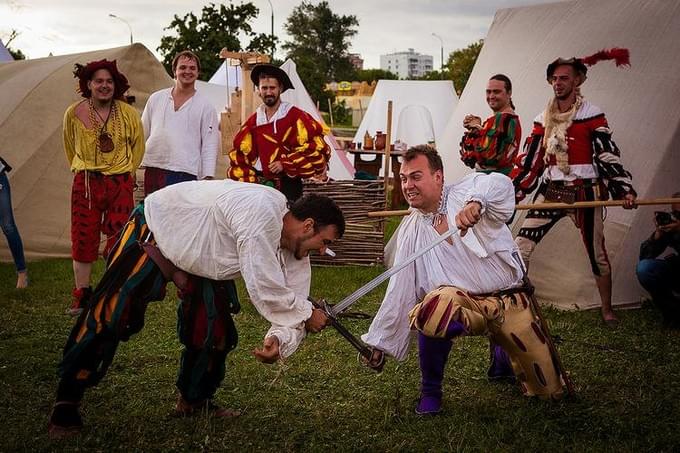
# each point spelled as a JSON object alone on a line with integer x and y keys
{"x": 576, "y": 183}
{"x": 98, "y": 174}
{"x": 505, "y": 292}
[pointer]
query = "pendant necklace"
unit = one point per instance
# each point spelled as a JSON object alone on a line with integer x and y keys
{"x": 105, "y": 140}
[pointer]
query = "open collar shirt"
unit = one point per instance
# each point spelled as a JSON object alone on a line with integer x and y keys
{"x": 185, "y": 140}
{"x": 484, "y": 261}
{"x": 225, "y": 229}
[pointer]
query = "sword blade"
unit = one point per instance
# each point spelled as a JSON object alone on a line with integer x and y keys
{"x": 370, "y": 286}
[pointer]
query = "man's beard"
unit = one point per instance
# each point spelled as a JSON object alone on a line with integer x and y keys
{"x": 102, "y": 99}
{"x": 565, "y": 95}
{"x": 270, "y": 101}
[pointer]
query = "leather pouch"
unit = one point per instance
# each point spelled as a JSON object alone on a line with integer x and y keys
{"x": 560, "y": 194}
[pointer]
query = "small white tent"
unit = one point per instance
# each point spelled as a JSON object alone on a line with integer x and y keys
{"x": 420, "y": 110}
{"x": 229, "y": 76}
{"x": 215, "y": 93}
{"x": 641, "y": 103}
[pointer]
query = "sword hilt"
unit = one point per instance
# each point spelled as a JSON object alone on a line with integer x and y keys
{"x": 321, "y": 304}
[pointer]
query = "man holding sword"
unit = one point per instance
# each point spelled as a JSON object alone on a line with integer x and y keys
{"x": 470, "y": 284}
{"x": 201, "y": 235}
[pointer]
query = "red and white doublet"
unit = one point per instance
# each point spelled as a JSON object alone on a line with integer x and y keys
{"x": 291, "y": 136}
{"x": 594, "y": 172}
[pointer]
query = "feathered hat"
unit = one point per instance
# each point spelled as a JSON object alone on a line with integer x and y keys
{"x": 620, "y": 55}
{"x": 85, "y": 73}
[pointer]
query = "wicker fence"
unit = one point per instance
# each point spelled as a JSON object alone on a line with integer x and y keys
{"x": 362, "y": 243}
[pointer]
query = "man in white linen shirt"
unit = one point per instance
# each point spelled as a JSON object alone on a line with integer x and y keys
{"x": 201, "y": 235}
{"x": 469, "y": 285}
{"x": 181, "y": 129}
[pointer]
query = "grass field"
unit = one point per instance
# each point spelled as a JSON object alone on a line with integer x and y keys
{"x": 628, "y": 383}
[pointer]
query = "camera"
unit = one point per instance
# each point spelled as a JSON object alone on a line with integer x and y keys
{"x": 663, "y": 218}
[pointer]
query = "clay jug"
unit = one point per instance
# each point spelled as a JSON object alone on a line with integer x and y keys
{"x": 368, "y": 141}
{"x": 380, "y": 140}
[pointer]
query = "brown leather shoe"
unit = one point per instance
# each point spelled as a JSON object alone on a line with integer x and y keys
{"x": 65, "y": 420}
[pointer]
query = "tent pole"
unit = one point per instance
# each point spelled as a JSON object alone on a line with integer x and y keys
{"x": 330, "y": 111}
{"x": 388, "y": 161}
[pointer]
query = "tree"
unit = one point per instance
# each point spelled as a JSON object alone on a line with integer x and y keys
{"x": 17, "y": 54}
{"x": 342, "y": 114}
{"x": 264, "y": 44}
{"x": 218, "y": 27}
{"x": 319, "y": 46}
{"x": 460, "y": 63}
{"x": 436, "y": 75}
{"x": 369, "y": 75}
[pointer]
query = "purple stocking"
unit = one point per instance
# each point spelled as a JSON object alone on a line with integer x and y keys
{"x": 500, "y": 367}
{"x": 433, "y": 353}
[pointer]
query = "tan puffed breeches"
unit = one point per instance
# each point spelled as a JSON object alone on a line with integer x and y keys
{"x": 508, "y": 319}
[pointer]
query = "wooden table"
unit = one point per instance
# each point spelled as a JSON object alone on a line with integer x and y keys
{"x": 374, "y": 166}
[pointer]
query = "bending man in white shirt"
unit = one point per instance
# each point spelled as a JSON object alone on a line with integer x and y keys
{"x": 201, "y": 235}
{"x": 181, "y": 129}
{"x": 469, "y": 285}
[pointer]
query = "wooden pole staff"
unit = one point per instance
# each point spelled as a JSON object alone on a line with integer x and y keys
{"x": 547, "y": 206}
{"x": 388, "y": 161}
{"x": 594, "y": 204}
{"x": 330, "y": 111}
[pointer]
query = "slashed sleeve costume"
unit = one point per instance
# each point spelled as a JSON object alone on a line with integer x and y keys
{"x": 494, "y": 146}
{"x": 294, "y": 138}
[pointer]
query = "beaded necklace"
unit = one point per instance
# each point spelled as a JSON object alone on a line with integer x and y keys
{"x": 105, "y": 143}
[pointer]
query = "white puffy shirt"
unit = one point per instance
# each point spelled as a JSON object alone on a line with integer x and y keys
{"x": 185, "y": 140}
{"x": 222, "y": 229}
{"x": 454, "y": 264}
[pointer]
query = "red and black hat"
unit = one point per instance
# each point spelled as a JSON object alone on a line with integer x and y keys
{"x": 271, "y": 71}
{"x": 620, "y": 55}
{"x": 85, "y": 73}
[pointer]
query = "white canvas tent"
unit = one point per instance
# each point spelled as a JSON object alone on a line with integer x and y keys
{"x": 35, "y": 94}
{"x": 4, "y": 53}
{"x": 641, "y": 103}
{"x": 228, "y": 76}
{"x": 216, "y": 94}
{"x": 420, "y": 110}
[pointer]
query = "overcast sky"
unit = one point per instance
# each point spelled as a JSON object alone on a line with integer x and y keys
{"x": 385, "y": 26}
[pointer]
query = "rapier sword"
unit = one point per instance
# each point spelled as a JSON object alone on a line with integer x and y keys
{"x": 332, "y": 311}
{"x": 344, "y": 304}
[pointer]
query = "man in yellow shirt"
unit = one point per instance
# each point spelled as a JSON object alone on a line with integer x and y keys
{"x": 104, "y": 144}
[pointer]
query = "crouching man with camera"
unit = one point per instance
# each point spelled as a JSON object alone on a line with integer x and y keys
{"x": 659, "y": 275}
